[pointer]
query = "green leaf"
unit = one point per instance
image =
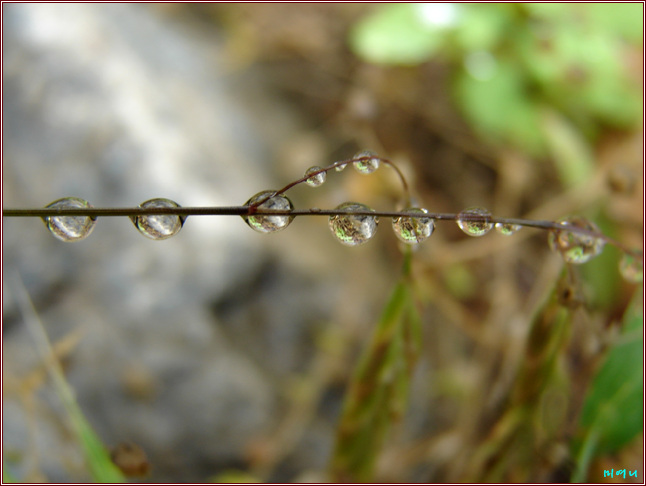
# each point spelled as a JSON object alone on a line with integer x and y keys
{"x": 397, "y": 34}
{"x": 500, "y": 107}
{"x": 548, "y": 11}
{"x": 613, "y": 409}
{"x": 625, "y": 20}
{"x": 482, "y": 27}
{"x": 622, "y": 19}
{"x": 579, "y": 69}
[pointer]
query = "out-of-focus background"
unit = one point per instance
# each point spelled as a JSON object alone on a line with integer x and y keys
{"x": 225, "y": 354}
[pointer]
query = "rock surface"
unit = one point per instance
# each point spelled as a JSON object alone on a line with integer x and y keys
{"x": 116, "y": 104}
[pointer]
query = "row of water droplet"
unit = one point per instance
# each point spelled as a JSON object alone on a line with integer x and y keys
{"x": 162, "y": 226}
{"x": 349, "y": 229}
{"x": 364, "y": 162}
{"x": 75, "y": 228}
{"x": 357, "y": 229}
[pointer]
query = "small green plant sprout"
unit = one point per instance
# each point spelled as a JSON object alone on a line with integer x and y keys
{"x": 576, "y": 239}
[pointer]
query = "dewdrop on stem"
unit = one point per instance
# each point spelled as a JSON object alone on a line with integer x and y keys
{"x": 353, "y": 229}
{"x": 631, "y": 268}
{"x": 316, "y": 179}
{"x": 340, "y": 167}
{"x": 264, "y": 223}
{"x": 366, "y": 165}
{"x": 575, "y": 247}
{"x": 70, "y": 228}
{"x": 158, "y": 226}
{"x": 412, "y": 230}
{"x": 475, "y": 221}
{"x": 507, "y": 229}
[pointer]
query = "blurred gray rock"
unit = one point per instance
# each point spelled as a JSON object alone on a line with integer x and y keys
{"x": 115, "y": 104}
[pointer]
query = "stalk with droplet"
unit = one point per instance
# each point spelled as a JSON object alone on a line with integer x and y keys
{"x": 159, "y": 226}
{"x": 315, "y": 176}
{"x": 475, "y": 221}
{"x": 367, "y": 162}
{"x": 353, "y": 229}
{"x": 507, "y": 229}
{"x": 70, "y": 228}
{"x": 264, "y": 223}
{"x": 576, "y": 247}
{"x": 412, "y": 230}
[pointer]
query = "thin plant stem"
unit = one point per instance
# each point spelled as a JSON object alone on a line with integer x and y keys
{"x": 251, "y": 210}
{"x": 255, "y": 209}
{"x": 340, "y": 163}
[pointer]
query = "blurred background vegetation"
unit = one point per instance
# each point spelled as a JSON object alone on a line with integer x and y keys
{"x": 523, "y": 370}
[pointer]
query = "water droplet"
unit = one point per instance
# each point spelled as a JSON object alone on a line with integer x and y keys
{"x": 315, "y": 180}
{"x": 631, "y": 268}
{"x": 351, "y": 229}
{"x": 507, "y": 229}
{"x": 159, "y": 226}
{"x": 266, "y": 223}
{"x": 413, "y": 230}
{"x": 70, "y": 228}
{"x": 575, "y": 247}
{"x": 366, "y": 166}
{"x": 340, "y": 167}
{"x": 474, "y": 221}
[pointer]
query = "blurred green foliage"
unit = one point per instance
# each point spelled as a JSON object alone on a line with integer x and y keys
{"x": 613, "y": 408}
{"x": 612, "y": 414}
{"x": 7, "y": 477}
{"x": 545, "y": 78}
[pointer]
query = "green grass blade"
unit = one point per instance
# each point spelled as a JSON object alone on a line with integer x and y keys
{"x": 98, "y": 460}
{"x": 378, "y": 391}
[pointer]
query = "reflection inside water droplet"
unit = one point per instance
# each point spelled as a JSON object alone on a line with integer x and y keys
{"x": 366, "y": 166}
{"x": 269, "y": 223}
{"x": 70, "y": 228}
{"x": 507, "y": 229}
{"x": 413, "y": 230}
{"x": 351, "y": 229}
{"x": 159, "y": 226}
{"x": 315, "y": 180}
{"x": 631, "y": 268}
{"x": 575, "y": 248}
{"x": 475, "y": 221}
